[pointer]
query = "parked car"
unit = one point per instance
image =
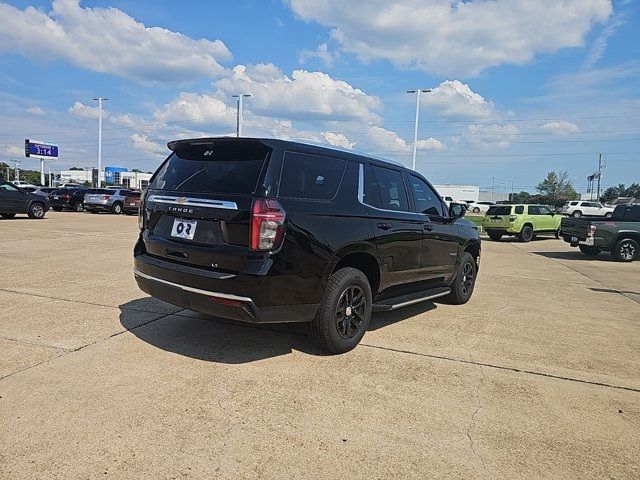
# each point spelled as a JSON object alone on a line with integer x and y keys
{"x": 264, "y": 230}
{"x": 579, "y": 208}
{"x": 67, "y": 198}
{"x": 23, "y": 184}
{"x": 131, "y": 205}
{"x": 479, "y": 207}
{"x": 105, "y": 200}
{"x": 45, "y": 190}
{"x": 522, "y": 221}
{"x": 619, "y": 234}
{"x": 71, "y": 185}
{"x": 13, "y": 201}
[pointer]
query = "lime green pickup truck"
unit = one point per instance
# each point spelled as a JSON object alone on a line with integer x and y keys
{"x": 522, "y": 221}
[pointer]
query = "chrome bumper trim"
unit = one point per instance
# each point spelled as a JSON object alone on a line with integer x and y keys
{"x": 199, "y": 291}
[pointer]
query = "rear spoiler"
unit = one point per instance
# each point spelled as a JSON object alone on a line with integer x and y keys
{"x": 207, "y": 141}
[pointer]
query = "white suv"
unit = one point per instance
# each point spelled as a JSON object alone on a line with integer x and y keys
{"x": 595, "y": 209}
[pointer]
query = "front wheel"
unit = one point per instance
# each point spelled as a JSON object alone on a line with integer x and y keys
{"x": 78, "y": 207}
{"x": 476, "y": 210}
{"x": 36, "y": 210}
{"x": 117, "y": 208}
{"x": 465, "y": 281}
{"x": 344, "y": 313}
{"x": 589, "y": 251}
{"x": 626, "y": 250}
{"x": 557, "y": 233}
{"x": 607, "y": 215}
{"x": 576, "y": 214}
{"x": 526, "y": 235}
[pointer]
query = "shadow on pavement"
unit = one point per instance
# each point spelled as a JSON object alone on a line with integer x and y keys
{"x": 611, "y": 290}
{"x": 226, "y": 341}
{"x": 575, "y": 255}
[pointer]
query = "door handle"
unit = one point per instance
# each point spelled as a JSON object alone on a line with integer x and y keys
{"x": 384, "y": 226}
{"x": 427, "y": 226}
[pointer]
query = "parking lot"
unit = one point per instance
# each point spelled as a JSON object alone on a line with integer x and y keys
{"x": 537, "y": 376}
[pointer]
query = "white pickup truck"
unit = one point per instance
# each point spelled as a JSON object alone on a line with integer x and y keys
{"x": 578, "y": 208}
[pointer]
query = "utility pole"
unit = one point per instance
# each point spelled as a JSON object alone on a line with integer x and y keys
{"x": 16, "y": 164}
{"x": 100, "y": 100}
{"x": 599, "y": 176}
{"x": 415, "y": 129}
{"x": 239, "y": 96}
{"x": 511, "y": 195}
{"x": 493, "y": 188}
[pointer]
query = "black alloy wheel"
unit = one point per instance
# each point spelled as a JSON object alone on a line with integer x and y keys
{"x": 526, "y": 235}
{"x": 465, "y": 281}
{"x": 626, "y": 250}
{"x": 78, "y": 207}
{"x": 36, "y": 210}
{"x": 351, "y": 311}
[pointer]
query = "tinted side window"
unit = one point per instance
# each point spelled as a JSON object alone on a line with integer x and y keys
{"x": 499, "y": 210}
{"x": 427, "y": 201}
{"x": 310, "y": 176}
{"x": 393, "y": 195}
{"x": 534, "y": 210}
{"x": 519, "y": 209}
{"x": 545, "y": 211}
{"x": 371, "y": 189}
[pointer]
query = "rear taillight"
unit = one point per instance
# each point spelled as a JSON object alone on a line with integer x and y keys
{"x": 513, "y": 218}
{"x": 106, "y": 197}
{"x": 591, "y": 231}
{"x": 267, "y": 224}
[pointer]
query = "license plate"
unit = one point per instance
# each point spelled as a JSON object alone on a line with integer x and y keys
{"x": 496, "y": 220}
{"x": 574, "y": 239}
{"x": 184, "y": 228}
{"x": 132, "y": 204}
{"x": 55, "y": 198}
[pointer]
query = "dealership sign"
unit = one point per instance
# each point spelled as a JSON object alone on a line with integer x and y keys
{"x": 42, "y": 150}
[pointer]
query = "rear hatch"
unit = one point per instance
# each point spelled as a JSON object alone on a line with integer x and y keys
{"x": 198, "y": 205}
{"x": 98, "y": 196}
{"x": 497, "y": 217}
{"x": 132, "y": 199}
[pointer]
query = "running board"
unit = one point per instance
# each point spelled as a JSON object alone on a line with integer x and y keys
{"x": 409, "y": 299}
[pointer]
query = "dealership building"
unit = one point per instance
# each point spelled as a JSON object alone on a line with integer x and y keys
{"x": 110, "y": 176}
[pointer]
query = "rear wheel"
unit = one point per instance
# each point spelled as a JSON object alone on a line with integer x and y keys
{"x": 465, "y": 281}
{"x": 476, "y": 210}
{"x": 495, "y": 236}
{"x": 589, "y": 251}
{"x": 557, "y": 233}
{"x": 117, "y": 208}
{"x": 344, "y": 313}
{"x": 36, "y": 210}
{"x": 626, "y": 250}
{"x": 7, "y": 215}
{"x": 576, "y": 214}
{"x": 608, "y": 215}
{"x": 526, "y": 235}
{"x": 78, "y": 207}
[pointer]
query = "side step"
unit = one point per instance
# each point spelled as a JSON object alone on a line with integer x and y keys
{"x": 409, "y": 299}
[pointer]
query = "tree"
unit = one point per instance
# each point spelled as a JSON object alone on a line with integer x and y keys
{"x": 76, "y": 168}
{"x": 521, "y": 197}
{"x": 557, "y": 186}
{"x": 620, "y": 190}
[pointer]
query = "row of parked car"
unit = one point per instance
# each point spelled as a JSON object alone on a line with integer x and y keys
{"x": 35, "y": 203}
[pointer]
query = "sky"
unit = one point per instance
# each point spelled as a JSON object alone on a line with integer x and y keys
{"x": 518, "y": 88}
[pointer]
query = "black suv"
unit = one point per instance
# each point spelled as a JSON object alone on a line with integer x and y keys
{"x": 69, "y": 198}
{"x": 14, "y": 200}
{"x": 264, "y": 230}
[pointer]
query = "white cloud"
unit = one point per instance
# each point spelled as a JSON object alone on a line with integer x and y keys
{"x": 430, "y": 144}
{"x": 11, "y": 151}
{"x": 316, "y": 95}
{"x": 490, "y": 136}
{"x": 455, "y": 99}
{"x": 451, "y": 37}
{"x": 322, "y": 53}
{"x": 142, "y": 143}
{"x": 600, "y": 43}
{"x": 79, "y": 109}
{"x": 36, "y": 111}
{"x": 202, "y": 108}
{"x": 338, "y": 140}
{"x": 107, "y": 40}
{"x": 560, "y": 127}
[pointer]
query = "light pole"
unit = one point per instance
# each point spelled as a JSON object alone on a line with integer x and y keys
{"x": 100, "y": 100}
{"x": 16, "y": 172}
{"x": 415, "y": 130}
{"x": 239, "y": 96}
{"x": 493, "y": 187}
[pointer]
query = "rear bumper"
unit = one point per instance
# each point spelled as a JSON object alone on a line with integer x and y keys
{"x": 214, "y": 294}
{"x": 575, "y": 241}
{"x": 97, "y": 206}
{"x": 500, "y": 230}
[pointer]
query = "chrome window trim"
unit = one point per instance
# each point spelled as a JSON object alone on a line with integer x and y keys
{"x": 361, "y": 193}
{"x": 199, "y": 291}
{"x": 193, "y": 202}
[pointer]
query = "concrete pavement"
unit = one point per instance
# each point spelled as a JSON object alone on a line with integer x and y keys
{"x": 538, "y": 375}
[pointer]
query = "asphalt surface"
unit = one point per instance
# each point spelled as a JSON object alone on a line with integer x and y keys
{"x": 538, "y": 376}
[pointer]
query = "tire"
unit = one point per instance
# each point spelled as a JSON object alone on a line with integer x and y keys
{"x": 576, "y": 214}
{"x": 465, "y": 281}
{"x": 608, "y": 215}
{"x": 36, "y": 210}
{"x": 78, "y": 207}
{"x": 526, "y": 234}
{"x": 589, "y": 251}
{"x": 626, "y": 250}
{"x": 7, "y": 215}
{"x": 557, "y": 233}
{"x": 494, "y": 236}
{"x": 476, "y": 210}
{"x": 57, "y": 209}
{"x": 116, "y": 208}
{"x": 348, "y": 290}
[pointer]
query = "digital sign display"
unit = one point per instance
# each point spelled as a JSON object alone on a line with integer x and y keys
{"x": 40, "y": 149}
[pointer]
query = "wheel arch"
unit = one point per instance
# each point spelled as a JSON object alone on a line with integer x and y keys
{"x": 364, "y": 257}
{"x": 473, "y": 247}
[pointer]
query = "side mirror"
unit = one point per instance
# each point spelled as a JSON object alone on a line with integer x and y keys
{"x": 456, "y": 210}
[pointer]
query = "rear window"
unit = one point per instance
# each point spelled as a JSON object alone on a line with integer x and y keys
{"x": 133, "y": 194}
{"x": 499, "y": 210}
{"x": 310, "y": 176}
{"x": 223, "y": 167}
